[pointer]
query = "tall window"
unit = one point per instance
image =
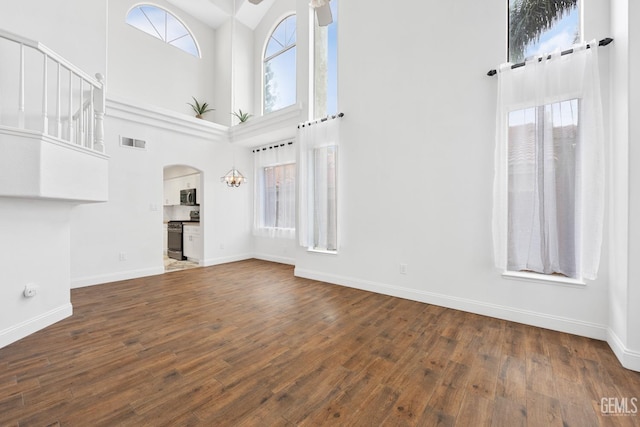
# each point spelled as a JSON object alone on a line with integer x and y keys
{"x": 275, "y": 191}
{"x": 323, "y": 162}
{"x": 543, "y": 142}
{"x": 163, "y": 25}
{"x": 279, "y": 66}
{"x": 539, "y": 27}
{"x": 319, "y": 185}
{"x": 549, "y": 183}
{"x": 326, "y": 65}
{"x": 279, "y": 196}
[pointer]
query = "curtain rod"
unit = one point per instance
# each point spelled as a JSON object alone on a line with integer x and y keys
{"x": 324, "y": 119}
{"x": 602, "y": 42}
{"x": 270, "y": 147}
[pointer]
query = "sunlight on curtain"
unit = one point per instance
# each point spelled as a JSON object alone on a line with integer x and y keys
{"x": 275, "y": 191}
{"x": 548, "y": 205}
{"x": 318, "y": 192}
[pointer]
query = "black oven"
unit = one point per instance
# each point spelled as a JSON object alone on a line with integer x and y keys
{"x": 174, "y": 240}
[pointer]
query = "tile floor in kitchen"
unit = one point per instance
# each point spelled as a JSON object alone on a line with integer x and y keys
{"x": 171, "y": 264}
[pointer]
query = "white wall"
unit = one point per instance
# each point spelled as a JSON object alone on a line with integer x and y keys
{"x": 633, "y": 296}
{"x": 624, "y": 287}
{"x": 416, "y": 98}
{"x": 222, "y": 72}
{"x": 131, "y": 221}
{"x": 144, "y": 69}
{"x": 75, "y": 29}
{"x": 36, "y": 233}
{"x": 34, "y": 251}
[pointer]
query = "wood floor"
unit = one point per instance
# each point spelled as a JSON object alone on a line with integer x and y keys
{"x": 248, "y": 344}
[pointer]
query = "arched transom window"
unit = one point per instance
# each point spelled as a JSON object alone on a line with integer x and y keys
{"x": 280, "y": 67}
{"x": 163, "y": 25}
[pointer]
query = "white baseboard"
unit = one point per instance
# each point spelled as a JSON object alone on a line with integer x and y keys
{"x": 628, "y": 358}
{"x": 533, "y": 318}
{"x": 81, "y": 282}
{"x": 28, "y": 327}
{"x": 278, "y": 259}
{"x": 224, "y": 260}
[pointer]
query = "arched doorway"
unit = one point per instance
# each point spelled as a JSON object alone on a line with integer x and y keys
{"x": 182, "y": 225}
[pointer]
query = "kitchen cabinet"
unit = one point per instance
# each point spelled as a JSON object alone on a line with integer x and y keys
{"x": 192, "y": 242}
{"x": 173, "y": 186}
{"x": 172, "y": 192}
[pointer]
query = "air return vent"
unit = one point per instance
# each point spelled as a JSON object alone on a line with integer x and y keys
{"x": 133, "y": 143}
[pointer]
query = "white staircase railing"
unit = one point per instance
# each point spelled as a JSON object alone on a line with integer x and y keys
{"x": 46, "y": 93}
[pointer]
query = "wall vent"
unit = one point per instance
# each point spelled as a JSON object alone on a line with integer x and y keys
{"x": 133, "y": 143}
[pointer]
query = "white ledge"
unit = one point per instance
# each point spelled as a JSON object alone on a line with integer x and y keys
{"x": 536, "y": 277}
{"x": 126, "y": 109}
{"x": 265, "y": 129}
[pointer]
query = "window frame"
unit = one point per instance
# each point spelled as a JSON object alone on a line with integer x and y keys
{"x": 539, "y": 112}
{"x": 163, "y": 38}
{"x": 265, "y": 59}
{"x": 314, "y": 84}
{"x": 263, "y": 190}
{"x": 580, "y": 28}
{"x": 312, "y": 153}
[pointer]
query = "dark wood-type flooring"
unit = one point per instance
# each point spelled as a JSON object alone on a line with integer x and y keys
{"x": 248, "y": 344}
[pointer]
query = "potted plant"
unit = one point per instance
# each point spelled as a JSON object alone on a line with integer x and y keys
{"x": 243, "y": 117}
{"x": 198, "y": 108}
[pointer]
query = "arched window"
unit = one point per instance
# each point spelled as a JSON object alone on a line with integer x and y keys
{"x": 279, "y": 67}
{"x": 163, "y": 25}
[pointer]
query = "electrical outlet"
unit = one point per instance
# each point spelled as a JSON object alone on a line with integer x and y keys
{"x": 122, "y": 256}
{"x": 30, "y": 291}
{"x": 403, "y": 268}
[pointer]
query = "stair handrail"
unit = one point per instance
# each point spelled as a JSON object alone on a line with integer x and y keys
{"x": 97, "y": 102}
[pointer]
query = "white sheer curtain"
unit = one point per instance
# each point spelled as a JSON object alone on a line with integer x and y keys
{"x": 548, "y": 204}
{"x": 275, "y": 191}
{"x": 318, "y": 185}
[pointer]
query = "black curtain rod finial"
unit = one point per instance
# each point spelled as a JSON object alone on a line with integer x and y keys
{"x": 605, "y": 41}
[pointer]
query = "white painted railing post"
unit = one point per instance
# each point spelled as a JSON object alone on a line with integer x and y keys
{"x": 21, "y": 90}
{"x": 99, "y": 105}
{"x": 70, "y": 112}
{"x": 91, "y": 118}
{"x": 45, "y": 97}
{"x": 81, "y": 135}
{"x": 59, "y": 104}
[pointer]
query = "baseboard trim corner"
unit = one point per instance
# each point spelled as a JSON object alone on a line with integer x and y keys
{"x": 628, "y": 358}
{"x": 23, "y": 329}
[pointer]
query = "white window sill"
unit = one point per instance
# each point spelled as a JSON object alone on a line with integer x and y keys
{"x": 546, "y": 278}
{"x": 322, "y": 251}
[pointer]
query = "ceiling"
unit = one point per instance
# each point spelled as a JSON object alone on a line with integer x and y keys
{"x": 216, "y": 12}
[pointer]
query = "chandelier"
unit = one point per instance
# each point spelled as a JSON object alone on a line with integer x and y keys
{"x": 233, "y": 178}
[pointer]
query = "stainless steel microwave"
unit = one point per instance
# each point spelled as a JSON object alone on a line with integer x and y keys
{"x": 188, "y": 197}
